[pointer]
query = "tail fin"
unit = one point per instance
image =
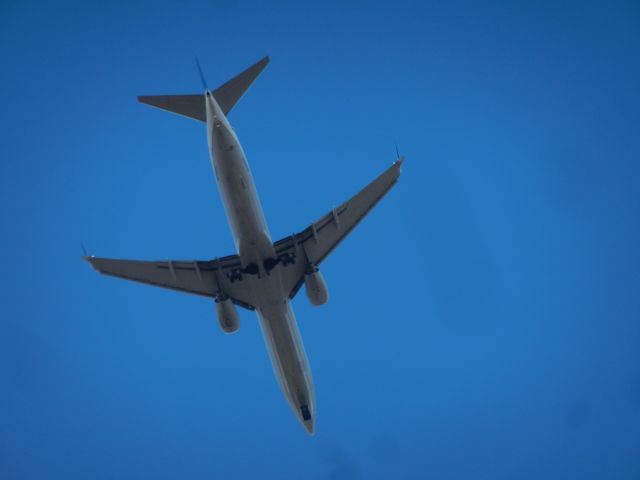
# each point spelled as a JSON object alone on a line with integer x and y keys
{"x": 193, "y": 106}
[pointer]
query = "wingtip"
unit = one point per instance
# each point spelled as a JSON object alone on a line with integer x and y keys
{"x": 89, "y": 259}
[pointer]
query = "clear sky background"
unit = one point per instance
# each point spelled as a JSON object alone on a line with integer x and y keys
{"x": 483, "y": 320}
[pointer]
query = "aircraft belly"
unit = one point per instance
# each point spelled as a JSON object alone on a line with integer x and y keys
{"x": 263, "y": 276}
{"x": 289, "y": 361}
{"x": 242, "y": 207}
{"x": 254, "y": 245}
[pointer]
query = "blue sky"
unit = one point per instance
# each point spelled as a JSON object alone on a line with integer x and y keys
{"x": 483, "y": 320}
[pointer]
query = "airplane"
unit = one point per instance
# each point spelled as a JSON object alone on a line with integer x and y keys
{"x": 263, "y": 276}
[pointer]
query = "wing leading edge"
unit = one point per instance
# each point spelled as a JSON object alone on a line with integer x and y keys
{"x": 317, "y": 241}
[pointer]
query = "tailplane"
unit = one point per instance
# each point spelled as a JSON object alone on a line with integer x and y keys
{"x": 193, "y": 106}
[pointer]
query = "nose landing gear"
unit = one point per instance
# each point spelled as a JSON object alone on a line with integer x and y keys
{"x": 306, "y": 415}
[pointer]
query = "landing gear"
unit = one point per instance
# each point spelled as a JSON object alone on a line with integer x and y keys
{"x": 235, "y": 274}
{"x": 270, "y": 263}
{"x": 306, "y": 415}
{"x": 251, "y": 269}
{"x": 284, "y": 258}
{"x": 287, "y": 258}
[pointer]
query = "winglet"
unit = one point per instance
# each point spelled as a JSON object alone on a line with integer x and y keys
{"x": 86, "y": 256}
{"x": 399, "y": 158}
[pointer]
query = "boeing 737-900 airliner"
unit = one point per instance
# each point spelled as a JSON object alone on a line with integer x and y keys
{"x": 263, "y": 275}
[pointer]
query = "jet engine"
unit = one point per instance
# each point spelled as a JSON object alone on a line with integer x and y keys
{"x": 227, "y": 315}
{"x": 315, "y": 287}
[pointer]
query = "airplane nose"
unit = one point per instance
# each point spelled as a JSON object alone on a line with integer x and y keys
{"x": 309, "y": 426}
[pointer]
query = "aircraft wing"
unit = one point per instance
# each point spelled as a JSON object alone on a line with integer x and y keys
{"x": 200, "y": 277}
{"x": 317, "y": 241}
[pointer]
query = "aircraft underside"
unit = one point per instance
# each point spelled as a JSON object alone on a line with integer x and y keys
{"x": 263, "y": 275}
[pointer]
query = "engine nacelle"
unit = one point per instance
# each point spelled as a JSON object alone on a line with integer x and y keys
{"x": 316, "y": 288}
{"x": 227, "y": 316}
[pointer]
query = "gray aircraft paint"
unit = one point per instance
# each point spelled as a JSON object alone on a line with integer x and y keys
{"x": 254, "y": 246}
{"x": 264, "y": 276}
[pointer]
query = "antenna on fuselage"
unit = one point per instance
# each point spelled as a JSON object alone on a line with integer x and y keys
{"x": 204, "y": 82}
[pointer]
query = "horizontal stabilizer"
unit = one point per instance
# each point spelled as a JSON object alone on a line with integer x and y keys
{"x": 193, "y": 106}
{"x": 228, "y": 94}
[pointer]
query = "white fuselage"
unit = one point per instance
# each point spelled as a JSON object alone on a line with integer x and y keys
{"x": 254, "y": 247}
